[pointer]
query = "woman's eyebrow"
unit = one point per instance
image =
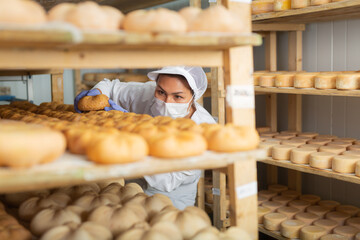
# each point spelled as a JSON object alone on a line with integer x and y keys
{"x": 170, "y": 93}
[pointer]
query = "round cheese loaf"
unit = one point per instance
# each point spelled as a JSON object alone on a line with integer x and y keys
{"x": 281, "y": 5}
{"x": 272, "y": 205}
{"x": 272, "y": 221}
{"x": 284, "y": 80}
{"x": 354, "y": 222}
{"x": 318, "y": 2}
{"x": 350, "y": 140}
{"x": 282, "y": 152}
{"x": 339, "y": 217}
{"x": 274, "y": 140}
{"x": 313, "y": 199}
{"x": 277, "y": 188}
{"x": 324, "y": 136}
{"x": 354, "y": 147}
{"x": 285, "y": 136}
{"x": 317, "y": 210}
{"x": 333, "y": 237}
{"x": 328, "y": 224}
{"x": 308, "y": 134}
{"x": 357, "y": 169}
{"x": 267, "y": 146}
{"x": 319, "y": 141}
{"x": 268, "y": 134}
{"x": 349, "y": 81}
{"x": 299, "y": 204}
{"x": 299, "y": 3}
{"x": 349, "y": 209}
{"x": 267, "y": 194}
{"x": 341, "y": 144}
{"x": 325, "y": 81}
{"x": 304, "y": 139}
{"x": 261, "y": 200}
{"x": 17, "y": 12}
{"x": 267, "y": 80}
{"x": 295, "y": 133}
{"x": 290, "y": 193}
{"x": 312, "y": 232}
{"x": 329, "y": 204}
{"x": 321, "y": 160}
{"x": 336, "y": 149}
{"x": 344, "y": 163}
{"x": 304, "y": 80}
{"x": 307, "y": 218}
{"x": 357, "y": 142}
{"x": 262, "y": 6}
{"x": 352, "y": 153}
{"x": 293, "y": 142}
{"x": 289, "y": 212}
{"x": 301, "y": 155}
{"x": 346, "y": 231}
{"x": 314, "y": 146}
{"x": 262, "y": 211}
{"x": 291, "y": 228}
{"x": 282, "y": 200}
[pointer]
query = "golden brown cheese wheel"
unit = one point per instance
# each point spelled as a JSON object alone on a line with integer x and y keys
{"x": 333, "y": 237}
{"x": 329, "y": 204}
{"x": 319, "y": 2}
{"x": 93, "y": 103}
{"x": 277, "y": 188}
{"x": 272, "y": 205}
{"x": 352, "y": 153}
{"x": 347, "y": 81}
{"x": 285, "y": 136}
{"x": 304, "y": 80}
{"x": 308, "y": 134}
{"x": 284, "y": 80}
{"x": 267, "y": 146}
{"x": 269, "y": 134}
{"x": 341, "y": 144}
{"x": 289, "y": 212}
{"x": 262, "y": 211}
{"x": 314, "y": 146}
{"x": 354, "y": 147}
{"x": 345, "y": 163}
{"x": 299, "y": 204}
{"x": 354, "y": 222}
{"x": 339, "y": 217}
{"x": 307, "y": 218}
{"x": 267, "y": 80}
{"x": 272, "y": 221}
{"x": 300, "y": 3}
{"x": 346, "y": 231}
{"x": 336, "y": 149}
{"x": 350, "y": 140}
{"x": 268, "y": 194}
{"x": 349, "y": 209}
{"x": 319, "y": 141}
{"x": 282, "y": 152}
{"x": 274, "y": 140}
{"x": 291, "y": 228}
{"x": 321, "y": 160}
{"x": 282, "y": 200}
{"x": 331, "y": 137}
{"x": 304, "y": 139}
{"x": 262, "y": 6}
{"x": 312, "y": 232}
{"x": 325, "y": 81}
{"x": 293, "y": 142}
{"x": 301, "y": 155}
{"x": 281, "y": 5}
{"x": 317, "y": 210}
{"x": 290, "y": 193}
{"x": 313, "y": 199}
{"x": 261, "y": 200}
{"x": 329, "y": 225}
{"x": 295, "y": 133}
{"x": 17, "y": 12}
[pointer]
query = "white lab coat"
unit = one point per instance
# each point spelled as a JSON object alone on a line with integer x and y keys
{"x": 180, "y": 187}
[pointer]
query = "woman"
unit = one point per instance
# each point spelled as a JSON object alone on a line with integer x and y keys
{"x": 173, "y": 92}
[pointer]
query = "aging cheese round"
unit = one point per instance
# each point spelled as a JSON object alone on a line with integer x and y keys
{"x": 319, "y": 141}
{"x": 281, "y": 5}
{"x": 312, "y": 232}
{"x": 328, "y": 224}
{"x": 314, "y": 146}
{"x": 325, "y": 81}
{"x": 347, "y": 81}
{"x": 272, "y": 205}
{"x": 300, "y": 3}
{"x": 304, "y": 139}
{"x": 312, "y": 199}
{"x": 267, "y": 146}
{"x": 349, "y": 209}
{"x": 341, "y": 144}
{"x": 291, "y": 228}
{"x": 321, "y": 160}
{"x": 295, "y": 133}
{"x": 304, "y": 80}
{"x": 318, "y": 2}
{"x": 346, "y": 231}
{"x": 295, "y": 143}
{"x": 352, "y": 153}
{"x": 256, "y": 77}
{"x": 281, "y": 152}
{"x": 333, "y": 237}
{"x": 282, "y": 200}
{"x": 284, "y": 80}
{"x": 339, "y": 217}
{"x": 272, "y": 221}
{"x": 301, "y": 155}
{"x": 344, "y": 163}
{"x": 267, "y": 80}
{"x": 308, "y": 134}
{"x": 261, "y": 200}
{"x": 285, "y": 136}
{"x": 290, "y": 193}
{"x": 274, "y": 140}
{"x": 262, "y": 6}
{"x": 268, "y": 134}
{"x": 307, "y": 218}
{"x": 324, "y": 136}
{"x": 350, "y": 140}
{"x": 357, "y": 169}
{"x": 261, "y": 212}
{"x": 277, "y": 188}
{"x": 354, "y": 147}
{"x": 332, "y": 149}
{"x": 357, "y": 142}
{"x": 354, "y": 222}
{"x": 289, "y": 212}
{"x": 267, "y": 194}
{"x": 317, "y": 210}
{"x": 329, "y": 204}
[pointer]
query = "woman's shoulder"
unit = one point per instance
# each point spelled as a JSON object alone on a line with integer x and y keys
{"x": 201, "y": 115}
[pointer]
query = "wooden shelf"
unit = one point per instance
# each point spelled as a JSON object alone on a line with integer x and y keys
{"x": 312, "y": 91}
{"x": 307, "y": 169}
{"x": 346, "y": 9}
{"x": 274, "y": 234}
{"x": 72, "y": 169}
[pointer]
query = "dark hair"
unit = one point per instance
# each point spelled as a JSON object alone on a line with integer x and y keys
{"x": 180, "y": 77}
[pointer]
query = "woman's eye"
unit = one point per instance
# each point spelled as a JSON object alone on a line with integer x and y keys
{"x": 178, "y": 97}
{"x": 161, "y": 92}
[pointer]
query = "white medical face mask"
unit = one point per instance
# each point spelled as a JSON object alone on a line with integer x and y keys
{"x": 174, "y": 110}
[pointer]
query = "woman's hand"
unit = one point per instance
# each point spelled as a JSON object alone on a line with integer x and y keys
{"x": 92, "y": 92}
{"x": 114, "y": 106}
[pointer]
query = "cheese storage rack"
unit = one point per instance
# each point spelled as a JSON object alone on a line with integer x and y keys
{"x": 34, "y": 49}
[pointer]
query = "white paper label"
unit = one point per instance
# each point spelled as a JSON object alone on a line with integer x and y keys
{"x": 212, "y": 1}
{"x": 216, "y": 191}
{"x": 240, "y": 96}
{"x": 246, "y": 190}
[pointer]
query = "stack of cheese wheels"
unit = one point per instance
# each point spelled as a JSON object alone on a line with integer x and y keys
{"x": 281, "y": 5}
{"x": 284, "y": 80}
{"x": 262, "y": 6}
{"x": 345, "y": 163}
{"x": 267, "y": 80}
{"x": 16, "y": 12}
{"x": 325, "y": 81}
{"x": 304, "y": 80}
{"x": 348, "y": 81}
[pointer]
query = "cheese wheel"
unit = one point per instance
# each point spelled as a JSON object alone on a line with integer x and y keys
{"x": 342, "y": 144}
{"x": 261, "y": 200}
{"x": 295, "y": 133}
{"x": 357, "y": 236}
{"x": 282, "y": 152}
{"x": 267, "y": 146}
{"x": 272, "y": 205}
{"x": 277, "y": 188}
{"x": 267, "y": 194}
{"x": 352, "y": 210}
{"x": 325, "y": 81}
{"x": 319, "y": 141}
{"x": 272, "y": 221}
{"x": 301, "y": 155}
{"x": 321, "y": 160}
{"x": 268, "y": 134}
{"x": 312, "y": 199}
{"x": 346, "y": 231}
{"x": 304, "y": 139}
{"x": 304, "y": 80}
{"x": 284, "y": 80}
{"x": 318, "y": 210}
{"x": 262, "y": 211}
{"x": 351, "y": 140}
{"x": 308, "y": 134}
{"x": 290, "y": 193}
{"x": 273, "y": 140}
{"x": 256, "y": 78}
{"x": 292, "y": 142}
{"x": 262, "y": 6}
{"x": 312, "y": 232}
{"x": 324, "y": 136}
{"x": 328, "y": 224}
{"x": 307, "y": 218}
{"x": 299, "y": 204}
{"x": 263, "y": 129}
{"x": 289, "y": 212}
{"x": 344, "y": 163}
{"x": 357, "y": 169}
{"x": 285, "y": 136}
{"x": 267, "y": 80}
{"x": 314, "y": 146}
{"x": 338, "y": 217}
{"x": 291, "y": 228}
{"x": 354, "y": 222}
{"x": 281, "y": 5}
{"x": 354, "y": 147}
{"x": 352, "y": 153}
{"x": 282, "y": 200}
{"x": 262, "y": 139}
{"x": 357, "y": 142}
{"x": 332, "y": 149}
{"x": 300, "y": 3}
{"x": 333, "y": 237}
{"x": 318, "y": 2}
{"x": 329, "y": 204}
{"x": 349, "y": 81}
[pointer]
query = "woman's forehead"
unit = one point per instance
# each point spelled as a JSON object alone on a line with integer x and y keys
{"x": 173, "y": 82}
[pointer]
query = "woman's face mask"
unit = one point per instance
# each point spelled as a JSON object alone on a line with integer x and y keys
{"x": 174, "y": 110}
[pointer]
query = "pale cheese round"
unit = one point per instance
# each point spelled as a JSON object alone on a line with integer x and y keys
{"x": 324, "y": 136}
{"x": 346, "y": 231}
{"x": 333, "y": 237}
{"x": 274, "y": 140}
{"x": 351, "y": 140}
{"x": 357, "y": 142}
{"x": 285, "y": 136}
{"x": 355, "y": 153}
{"x": 312, "y": 232}
{"x": 304, "y": 80}
{"x": 321, "y": 160}
{"x": 277, "y": 188}
{"x": 281, "y": 152}
{"x": 357, "y": 169}
{"x": 282, "y": 200}
{"x": 312, "y": 199}
{"x": 307, "y": 218}
{"x": 272, "y": 221}
{"x": 284, "y": 80}
{"x": 328, "y": 224}
{"x": 304, "y": 139}
{"x": 301, "y": 155}
{"x": 308, "y": 134}
{"x": 317, "y": 210}
{"x": 314, "y": 146}
{"x": 336, "y": 149}
{"x": 354, "y": 147}
{"x": 325, "y": 81}
{"x": 267, "y": 146}
{"x": 319, "y": 141}
{"x": 289, "y": 212}
{"x": 349, "y": 209}
{"x": 292, "y": 142}
{"x": 262, "y": 211}
{"x": 295, "y": 133}
{"x": 338, "y": 217}
{"x": 300, "y": 3}
{"x": 347, "y": 81}
{"x": 267, "y": 80}
{"x": 354, "y": 222}
{"x": 291, "y": 228}
{"x": 261, "y": 200}
{"x": 344, "y": 163}
{"x": 272, "y": 205}
{"x": 262, "y": 139}
{"x": 290, "y": 193}
{"x": 269, "y": 134}
{"x": 262, "y": 6}
{"x": 318, "y": 2}
{"x": 329, "y": 204}
{"x": 267, "y": 194}
{"x": 341, "y": 144}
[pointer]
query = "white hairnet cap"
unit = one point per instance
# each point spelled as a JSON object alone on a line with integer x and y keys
{"x": 195, "y": 76}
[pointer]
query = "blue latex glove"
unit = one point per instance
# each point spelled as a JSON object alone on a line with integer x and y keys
{"x": 92, "y": 92}
{"x": 113, "y": 106}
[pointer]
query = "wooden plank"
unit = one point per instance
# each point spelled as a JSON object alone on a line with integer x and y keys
{"x": 295, "y": 51}
{"x": 20, "y": 72}
{"x": 217, "y": 94}
{"x": 347, "y": 9}
{"x": 195, "y": 3}
{"x": 270, "y": 52}
{"x": 200, "y": 197}
{"x": 274, "y": 234}
{"x": 258, "y": 27}
{"x": 219, "y": 205}
{"x": 294, "y": 112}
{"x": 271, "y": 111}
{"x": 313, "y": 91}
{"x": 57, "y": 87}
{"x": 307, "y": 169}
